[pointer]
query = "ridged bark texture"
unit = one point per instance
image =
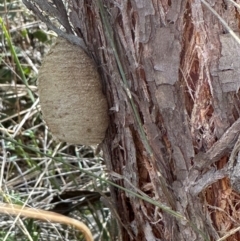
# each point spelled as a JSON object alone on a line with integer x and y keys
{"x": 175, "y": 116}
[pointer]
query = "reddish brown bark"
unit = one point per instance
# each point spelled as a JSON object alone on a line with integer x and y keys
{"x": 182, "y": 68}
{"x": 181, "y": 72}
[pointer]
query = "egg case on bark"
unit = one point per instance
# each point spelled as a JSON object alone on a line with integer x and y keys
{"x": 71, "y": 97}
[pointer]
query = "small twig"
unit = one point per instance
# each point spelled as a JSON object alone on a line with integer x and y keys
{"x": 231, "y": 232}
{"x": 220, "y": 148}
{"x": 207, "y": 179}
{"x": 203, "y": 161}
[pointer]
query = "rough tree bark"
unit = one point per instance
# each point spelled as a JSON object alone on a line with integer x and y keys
{"x": 181, "y": 67}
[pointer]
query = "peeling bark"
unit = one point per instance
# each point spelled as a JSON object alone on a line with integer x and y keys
{"x": 182, "y": 72}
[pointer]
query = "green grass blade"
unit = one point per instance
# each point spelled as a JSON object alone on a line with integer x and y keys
{"x": 14, "y": 54}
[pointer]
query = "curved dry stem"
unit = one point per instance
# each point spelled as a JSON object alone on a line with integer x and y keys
{"x": 34, "y": 213}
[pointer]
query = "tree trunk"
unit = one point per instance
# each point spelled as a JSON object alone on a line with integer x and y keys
{"x": 174, "y": 117}
{"x": 170, "y": 72}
